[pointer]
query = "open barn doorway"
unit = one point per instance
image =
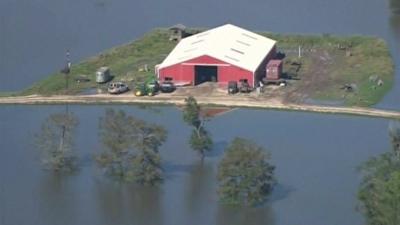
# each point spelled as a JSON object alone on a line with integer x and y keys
{"x": 205, "y": 73}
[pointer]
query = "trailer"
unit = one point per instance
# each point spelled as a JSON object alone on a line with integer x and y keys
{"x": 103, "y": 75}
{"x": 273, "y": 73}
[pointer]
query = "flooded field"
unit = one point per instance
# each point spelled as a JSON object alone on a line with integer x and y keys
{"x": 316, "y": 158}
{"x": 316, "y": 155}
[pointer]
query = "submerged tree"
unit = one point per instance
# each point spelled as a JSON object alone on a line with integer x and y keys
{"x": 131, "y": 147}
{"x": 379, "y": 191}
{"x": 394, "y": 133}
{"x": 115, "y": 133}
{"x": 200, "y": 139}
{"x": 191, "y": 112}
{"x": 56, "y": 142}
{"x": 245, "y": 176}
{"x": 147, "y": 163}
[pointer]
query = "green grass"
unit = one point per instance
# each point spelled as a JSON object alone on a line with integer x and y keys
{"x": 124, "y": 62}
{"x": 325, "y": 40}
{"x": 370, "y": 57}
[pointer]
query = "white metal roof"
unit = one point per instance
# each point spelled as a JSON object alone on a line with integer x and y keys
{"x": 227, "y": 43}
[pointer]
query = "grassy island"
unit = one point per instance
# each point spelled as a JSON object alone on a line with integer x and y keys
{"x": 354, "y": 70}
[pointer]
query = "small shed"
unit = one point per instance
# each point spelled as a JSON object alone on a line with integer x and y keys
{"x": 274, "y": 69}
{"x": 177, "y": 32}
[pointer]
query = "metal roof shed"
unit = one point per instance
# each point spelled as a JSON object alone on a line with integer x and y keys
{"x": 227, "y": 52}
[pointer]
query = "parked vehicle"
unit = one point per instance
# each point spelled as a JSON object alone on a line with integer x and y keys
{"x": 117, "y": 88}
{"x": 142, "y": 89}
{"x": 154, "y": 86}
{"x": 232, "y": 87}
{"x": 103, "y": 75}
{"x": 244, "y": 86}
{"x": 167, "y": 86}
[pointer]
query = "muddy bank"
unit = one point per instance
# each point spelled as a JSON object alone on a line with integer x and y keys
{"x": 227, "y": 101}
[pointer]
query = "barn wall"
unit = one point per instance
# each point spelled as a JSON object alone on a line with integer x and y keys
{"x": 232, "y": 73}
{"x": 261, "y": 70}
{"x": 177, "y": 72}
{"x": 184, "y": 72}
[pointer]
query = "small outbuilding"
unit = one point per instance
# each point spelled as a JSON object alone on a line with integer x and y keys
{"x": 177, "y": 32}
{"x": 223, "y": 54}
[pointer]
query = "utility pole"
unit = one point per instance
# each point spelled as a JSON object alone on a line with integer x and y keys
{"x": 67, "y": 69}
{"x": 299, "y": 51}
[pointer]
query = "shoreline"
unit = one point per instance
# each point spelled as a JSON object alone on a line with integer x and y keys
{"x": 328, "y": 65}
{"x": 228, "y": 101}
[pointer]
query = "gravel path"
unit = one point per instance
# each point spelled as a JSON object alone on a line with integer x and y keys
{"x": 229, "y": 101}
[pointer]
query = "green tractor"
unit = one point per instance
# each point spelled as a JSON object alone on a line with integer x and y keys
{"x": 142, "y": 89}
{"x": 150, "y": 87}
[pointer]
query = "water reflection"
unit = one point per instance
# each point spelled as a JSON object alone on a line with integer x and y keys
{"x": 243, "y": 215}
{"x": 395, "y": 6}
{"x": 395, "y": 19}
{"x": 199, "y": 189}
{"x": 56, "y": 200}
{"x": 122, "y": 203}
{"x": 109, "y": 203}
{"x": 280, "y": 192}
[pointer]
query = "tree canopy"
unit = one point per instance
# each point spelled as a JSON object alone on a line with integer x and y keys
{"x": 131, "y": 147}
{"x": 55, "y": 141}
{"x": 200, "y": 139}
{"x": 191, "y": 112}
{"x": 379, "y": 191}
{"x": 245, "y": 176}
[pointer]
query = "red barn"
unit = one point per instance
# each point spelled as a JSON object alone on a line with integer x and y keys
{"x": 223, "y": 54}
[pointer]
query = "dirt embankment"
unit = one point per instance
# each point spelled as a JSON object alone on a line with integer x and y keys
{"x": 176, "y": 99}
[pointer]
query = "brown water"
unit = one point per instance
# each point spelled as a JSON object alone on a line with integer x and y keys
{"x": 316, "y": 155}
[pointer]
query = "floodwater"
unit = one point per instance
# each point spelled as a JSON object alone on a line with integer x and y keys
{"x": 316, "y": 155}
{"x": 34, "y": 34}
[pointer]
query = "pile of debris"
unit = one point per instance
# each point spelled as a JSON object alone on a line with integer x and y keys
{"x": 350, "y": 87}
{"x": 376, "y": 80}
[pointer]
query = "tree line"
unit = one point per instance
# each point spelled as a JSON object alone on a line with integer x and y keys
{"x": 245, "y": 174}
{"x": 379, "y": 191}
{"x": 131, "y": 153}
